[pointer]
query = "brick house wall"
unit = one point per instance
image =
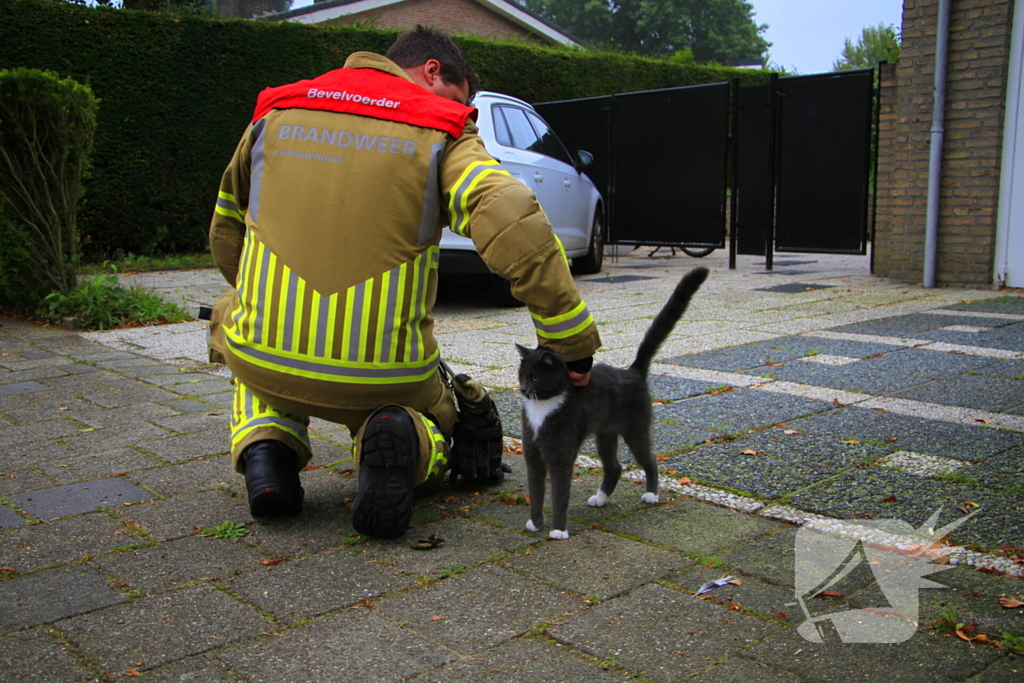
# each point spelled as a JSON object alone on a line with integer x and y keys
{"x": 244, "y": 9}
{"x": 979, "y": 46}
{"x": 453, "y": 16}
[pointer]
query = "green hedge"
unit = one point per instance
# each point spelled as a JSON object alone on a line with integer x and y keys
{"x": 177, "y": 92}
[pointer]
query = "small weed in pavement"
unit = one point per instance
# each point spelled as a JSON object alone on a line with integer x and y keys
{"x": 231, "y": 530}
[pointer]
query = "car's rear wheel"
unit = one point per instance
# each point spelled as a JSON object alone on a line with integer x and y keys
{"x": 591, "y": 263}
{"x": 697, "y": 252}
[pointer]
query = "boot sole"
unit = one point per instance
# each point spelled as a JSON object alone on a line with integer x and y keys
{"x": 383, "y": 507}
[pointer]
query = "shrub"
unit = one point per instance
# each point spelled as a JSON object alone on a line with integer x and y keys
{"x": 20, "y": 289}
{"x": 46, "y": 131}
{"x": 100, "y": 303}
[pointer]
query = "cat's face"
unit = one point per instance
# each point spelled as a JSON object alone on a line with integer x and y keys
{"x": 542, "y": 373}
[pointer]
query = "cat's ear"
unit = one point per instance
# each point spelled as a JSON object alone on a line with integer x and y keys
{"x": 523, "y": 351}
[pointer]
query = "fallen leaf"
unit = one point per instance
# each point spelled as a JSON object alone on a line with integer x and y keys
{"x": 838, "y": 402}
{"x": 1010, "y": 603}
{"x": 863, "y": 514}
{"x": 671, "y": 471}
{"x": 348, "y": 471}
{"x": 782, "y": 615}
{"x": 685, "y": 480}
{"x": 734, "y": 606}
{"x": 735, "y": 582}
{"x": 960, "y": 635}
{"x": 983, "y": 420}
{"x": 314, "y": 467}
{"x": 963, "y": 509}
{"x": 890, "y": 499}
{"x": 892, "y": 440}
{"x": 451, "y": 499}
{"x": 851, "y": 442}
{"x": 6, "y": 570}
{"x": 971, "y": 503}
{"x": 270, "y": 563}
{"x": 832, "y": 594}
{"x": 751, "y": 451}
{"x": 774, "y": 364}
{"x": 131, "y": 673}
{"x": 662, "y": 458}
{"x": 881, "y": 410}
{"x": 791, "y": 432}
{"x": 981, "y": 638}
{"x": 436, "y": 618}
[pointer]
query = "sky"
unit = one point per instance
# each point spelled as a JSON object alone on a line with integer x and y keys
{"x": 807, "y": 35}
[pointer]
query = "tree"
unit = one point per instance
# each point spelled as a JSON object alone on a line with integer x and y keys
{"x": 876, "y": 44}
{"x": 714, "y": 30}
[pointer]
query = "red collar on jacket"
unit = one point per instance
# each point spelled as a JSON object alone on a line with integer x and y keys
{"x": 368, "y": 92}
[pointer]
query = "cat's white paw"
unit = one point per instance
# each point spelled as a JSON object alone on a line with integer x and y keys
{"x": 650, "y": 498}
{"x": 559, "y": 535}
{"x": 530, "y": 526}
{"x": 598, "y": 500}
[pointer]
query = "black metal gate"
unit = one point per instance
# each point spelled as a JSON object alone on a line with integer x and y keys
{"x": 799, "y": 150}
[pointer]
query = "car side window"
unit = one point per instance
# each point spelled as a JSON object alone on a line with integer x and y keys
{"x": 523, "y": 134}
{"x": 501, "y": 133}
{"x": 552, "y": 146}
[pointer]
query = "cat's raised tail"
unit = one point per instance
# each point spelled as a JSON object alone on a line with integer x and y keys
{"x": 667, "y": 318}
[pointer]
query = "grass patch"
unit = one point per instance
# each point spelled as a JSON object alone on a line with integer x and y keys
{"x": 229, "y": 530}
{"x": 134, "y": 263}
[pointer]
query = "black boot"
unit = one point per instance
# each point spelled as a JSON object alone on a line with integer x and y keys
{"x": 272, "y": 479}
{"x": 387, "y": 469}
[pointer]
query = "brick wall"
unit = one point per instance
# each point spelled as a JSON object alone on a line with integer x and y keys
{"x": 453, "y": 16}
{"x": 244, "y": 9}
{"x": 979, "y": 43}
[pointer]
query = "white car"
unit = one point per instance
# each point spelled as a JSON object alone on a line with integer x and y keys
{"x": 524, "y": 144}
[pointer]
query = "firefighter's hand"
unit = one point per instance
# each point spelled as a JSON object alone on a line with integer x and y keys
{"x": 580, "y": 379}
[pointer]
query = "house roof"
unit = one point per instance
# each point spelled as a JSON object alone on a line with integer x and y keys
{"x": 517, "y": 14}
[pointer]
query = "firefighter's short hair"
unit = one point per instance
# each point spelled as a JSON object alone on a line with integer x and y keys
{"x": 416, "y": 46}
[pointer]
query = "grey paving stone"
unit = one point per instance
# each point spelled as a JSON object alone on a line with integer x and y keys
{"x": 736, "y": 411}
{"x": 210, "y": 386}
{"x": 1013, "y": 305}
{"x": 28, "y": 548}
{"x": 146, "y": 371}
{"x": 779, "y": 464}
{"x": 737, "y": 358}
{"x": 36, "y": 657}
{"x": 97, "y": 466}
{"x": 1009, "y": 337}
{"x": 88, "y": 381}
{"x": 225, "y": 399}
{"x": 52, "y": 410}
{"x": 1011, "y": 368}
{"x": 737, "y": 670}
{"x": 15, "y": 388}
{"x": 42, "y": 372}
{"x": 692, "y": 527}
{"x": 509, "y": 406}
{"x": 754, "y": 596}
{"x": 125, "y": 415}
{"x": 19, "y": 479}
{"x": 914, "y": 324}
{"x": 666, "y": 438}
{"x": 659, "y": 633}
{"x": 133, "y": 362}
{"x": 669, "y": 388}
{"x": 32, "y": 453}
{"x": 904, "y": 432}
{"x": 95, "y": 355}
{"x": 330, "y": 581}
{"x": 864, "y": 492}
{"x": 993, "y": 394}
{"x": 164, "y": 566}
{"x": 925, "y": 658}
{"x": 195, "y": 669}
{"x": 75, "y": 499}
{"x": 170, "y": 380}
{"x": 355, "y": 645}
{"x": 92, "y": 440}
{"x": 160, "y": 629}
{"x": 46, "y": 596}
{"x": 1003, "y": 472}
{"x": 188, "y": 406}
{"x": 623, "y": 564}
{"x": 204, "y": 474}
{"x": 1006, "y": 670}
{"x": 49, "y": 429}
{"x": 189, "y": 446}
{"x": 480, "y": 608}
{"x": 924, "y": 363}
{"x": 184, "y": 515}
{"x": 9, "y": 518}
{"x": 524, "y": 660}
{"x": 854, "y": 377}
{"x": 770, "y": 557}
{"x": 111, "y": 398}
{"x": 195, "y": 422}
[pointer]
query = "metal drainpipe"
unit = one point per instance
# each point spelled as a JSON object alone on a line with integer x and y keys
{"x": 931, "y": 230}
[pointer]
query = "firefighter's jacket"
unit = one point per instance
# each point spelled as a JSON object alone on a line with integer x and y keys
{"x": 328, "y": 222}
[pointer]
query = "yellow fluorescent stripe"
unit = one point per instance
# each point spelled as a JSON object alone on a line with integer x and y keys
{"x": 561, "y": 248}
{"x": 567, "y": 333}
{"x": 265, "y": 305}
{"x": 237, "y": 215}
{"x": 346, "y": 333}
{"x": 403, "y": 273}
{"x": 462, "y": 178}
{"x": 561, "y": 318}
{"x": 332, "y": 317}
{"x": 300, "y": 297}
{"x": 314, "y": 320}
{"x": 469, "y": 191}
{"x": 364, "y": 322}
{"x": 250, "y": 288}
{"x": 282, "y": 307}
{"x": 382, "y": 315}
{"x": 228, "y": 196}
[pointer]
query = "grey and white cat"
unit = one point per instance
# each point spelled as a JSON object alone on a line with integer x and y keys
{"x": 558, "y": 416}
